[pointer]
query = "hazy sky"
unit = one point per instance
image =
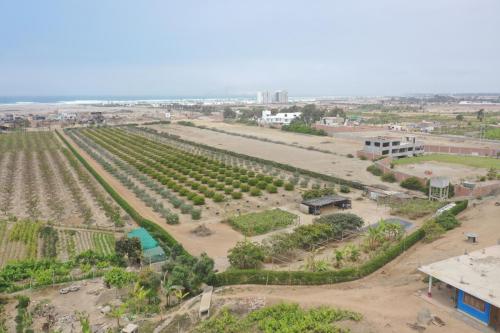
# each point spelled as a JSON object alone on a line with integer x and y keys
{"x": 215, "y": 47}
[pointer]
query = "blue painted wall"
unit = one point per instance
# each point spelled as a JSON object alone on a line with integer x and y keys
{"x": 482, "y": 316}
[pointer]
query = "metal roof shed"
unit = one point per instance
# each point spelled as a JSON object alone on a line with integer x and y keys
{"x": 314, "y": 205}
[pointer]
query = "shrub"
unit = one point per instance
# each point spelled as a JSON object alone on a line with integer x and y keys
{"x": 212, "y": 183}
{"x": 413, "y": 183}
{"x": 447, "y": 220}
{"x": 363, "y": 158}
{"x": 340, "y": 222}
{"x": 172, "y": 219}
{"x": 345, "y": 189}
{"x": 271, "y": 188}
{"x": 278, "y": 182}
{"x": 219, "y": 186}
{"x": 228, "y": 180}
{"x": 289, "y": 187}
{"x": 228, "y": 190}
{"x": 432, "y": 230}
{"x": 198, "y": 200}
{"x": 244, "y": 188}
{"x": 268, "y": 179}
{"x": 236, "y": 184}
{"x": 388, "y": 177}
{"x": 316, "y": 193}
{"x": 350, "y": 155}
{"x": 252, "y": 224}
{"x": 196, "y": 214}
{"x": 236, "y": 195}
{"x": 243, "y": 179}
{"x": 186, "y": 209}
{"x": 252, "y": 181}
{"x": 218, "y": 197}
{"x": 255, "y": 192}
{"x": 262, "y": 185}
{"x": 246, "y": 254}
{"x": 375, "y": 170}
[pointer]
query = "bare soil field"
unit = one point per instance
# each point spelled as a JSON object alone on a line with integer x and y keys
{"x": 456, "y": 173}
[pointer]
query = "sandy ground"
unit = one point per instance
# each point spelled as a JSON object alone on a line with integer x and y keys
{"x": 390, "y": 298}
{"x": 455, "y": 172}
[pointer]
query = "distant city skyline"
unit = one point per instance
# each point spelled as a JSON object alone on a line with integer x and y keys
{"x": 192, "y": 48}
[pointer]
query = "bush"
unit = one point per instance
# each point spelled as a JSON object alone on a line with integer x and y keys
{"x": 271, "y": 188}
{"x": 198, "y": 200}
{"x": 340, "y": 222}
{"x": 278, "y": 183}
{"x": 246, "y": 254}
{"x": 289, "y": 187}
{"x": 447, "y": 220}
{"x": 236, "y": 195}
{"x": 262, "y": 185}
{"x": 186, "y": 209}
{"x": 268, "y": 179}
{"x": 413, "y": 183}
{"x": 375, "y": 170}
{"x": 244, "y": 188}
{"x": 196, "y": 214}
{"x": 255, "y": 192}
{"x": 252, "y": 181}
{"x": 432, "y": 230}
{"x": 218, "y": 197}
{"x": 388, "y": 177}
{"x": 172, "y": 219}
{"x": 301, "y": 127}
{"x": 318, "y": 192}
{"x": 228, "y": 190}
{"x": 350, "y": 155}
{"x": 236, "y": 184}
{"x": 345, "y": 189}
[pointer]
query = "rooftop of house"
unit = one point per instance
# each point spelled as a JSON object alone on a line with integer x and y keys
{"x": 476, "y": 273}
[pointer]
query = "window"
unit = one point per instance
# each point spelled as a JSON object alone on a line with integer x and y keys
{"x": 396, "y": 143}
{"x": 385, "y": 144}
{"x": 368, "y": 143}
{"x": 410, "y": 148}
{"x": 475, "y": 302}
{"x": 385, "y": 152}
{"x": 394, "y": 151}
{"x": 377, "y": 144}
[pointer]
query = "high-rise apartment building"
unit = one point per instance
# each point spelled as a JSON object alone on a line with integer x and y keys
{"x": 279, "y": 97}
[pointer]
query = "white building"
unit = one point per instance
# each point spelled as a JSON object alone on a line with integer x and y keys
{"x": 263, "y": 97}
{"x": 394, "y": 147}
{"x": 278, "y": 119}
{"x": 280, "y": 97}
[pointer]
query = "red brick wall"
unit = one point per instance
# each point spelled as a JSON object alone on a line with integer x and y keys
{"x": 479, "y": 190}
{"x": 385, "y": 166}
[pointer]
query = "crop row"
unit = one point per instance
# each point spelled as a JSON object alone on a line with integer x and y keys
{"x": 183, "y": 172}
{"x": 122, "y": 171}
{"x": 26, "y": 232}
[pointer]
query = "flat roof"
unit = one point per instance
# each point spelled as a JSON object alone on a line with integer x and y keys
{"x": 476, "y": 273}
{"x": 323, "y": 201}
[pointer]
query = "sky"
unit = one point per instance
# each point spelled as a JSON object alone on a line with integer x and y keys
{"x": 233, "y": 48}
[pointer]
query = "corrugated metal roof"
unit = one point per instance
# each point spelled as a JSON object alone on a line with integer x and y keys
{"x": 323, "y": 201}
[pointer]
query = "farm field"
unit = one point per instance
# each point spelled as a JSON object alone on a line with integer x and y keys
{"x": 184, "y": 183}
{"x": 33, "y": 240}
{"x": 262, "y": 222}
{"x": 45, "y": 192}
{"x": 41, "y": 180}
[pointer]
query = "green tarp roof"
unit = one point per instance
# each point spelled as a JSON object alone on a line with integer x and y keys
{"x": 147, "y": 242}
{"x": 154, "y": 255}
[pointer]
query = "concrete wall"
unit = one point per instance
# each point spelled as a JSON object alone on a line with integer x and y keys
{"x": 385, "y": 166}
{"x": 461, "y": 150}
{"x": 339, "y": 129}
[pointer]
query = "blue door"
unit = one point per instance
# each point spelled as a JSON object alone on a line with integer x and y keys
{"x": 474, "y": 307}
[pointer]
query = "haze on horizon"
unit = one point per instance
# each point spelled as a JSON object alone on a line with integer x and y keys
{"x": 385, "y": 47}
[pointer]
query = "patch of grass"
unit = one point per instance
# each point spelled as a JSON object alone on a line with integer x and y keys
{"x": 472, "y": 161}
{"x": 492, "y": 134}
{"x": 260, "y": 223}
{"x": 415, "y": 208}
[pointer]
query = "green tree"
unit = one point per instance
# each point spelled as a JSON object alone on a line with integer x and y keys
{"x": 228, "y": 113}
{"x": 118, "y": 277}
{"x": 480, "y": 115}
{"x": 459, "y": 117}
{"x": 246, "y": 254}
{"x": 130, "y": 248}
{"x": 117, "y": 312}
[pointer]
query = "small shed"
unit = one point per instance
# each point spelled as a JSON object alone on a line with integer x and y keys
{"x": 147, "y": 241}
{"x": 151, "y": 251}
{"x": 313, "y": 206}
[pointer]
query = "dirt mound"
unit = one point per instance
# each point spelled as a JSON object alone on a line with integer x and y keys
{"x": 202, "y": 231}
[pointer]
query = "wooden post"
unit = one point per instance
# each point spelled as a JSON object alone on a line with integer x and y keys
{"x": 429, "y": 291}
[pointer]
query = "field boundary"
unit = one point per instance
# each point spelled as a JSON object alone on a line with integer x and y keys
{"x": 165, "y": 239}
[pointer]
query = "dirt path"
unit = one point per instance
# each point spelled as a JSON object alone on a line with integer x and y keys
{"x": 216, "y": 245}
{"x": 389, "y": 298}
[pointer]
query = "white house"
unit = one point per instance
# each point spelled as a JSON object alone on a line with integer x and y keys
{"x": 278, "y": 119}
{"x": 332, "y": 121}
